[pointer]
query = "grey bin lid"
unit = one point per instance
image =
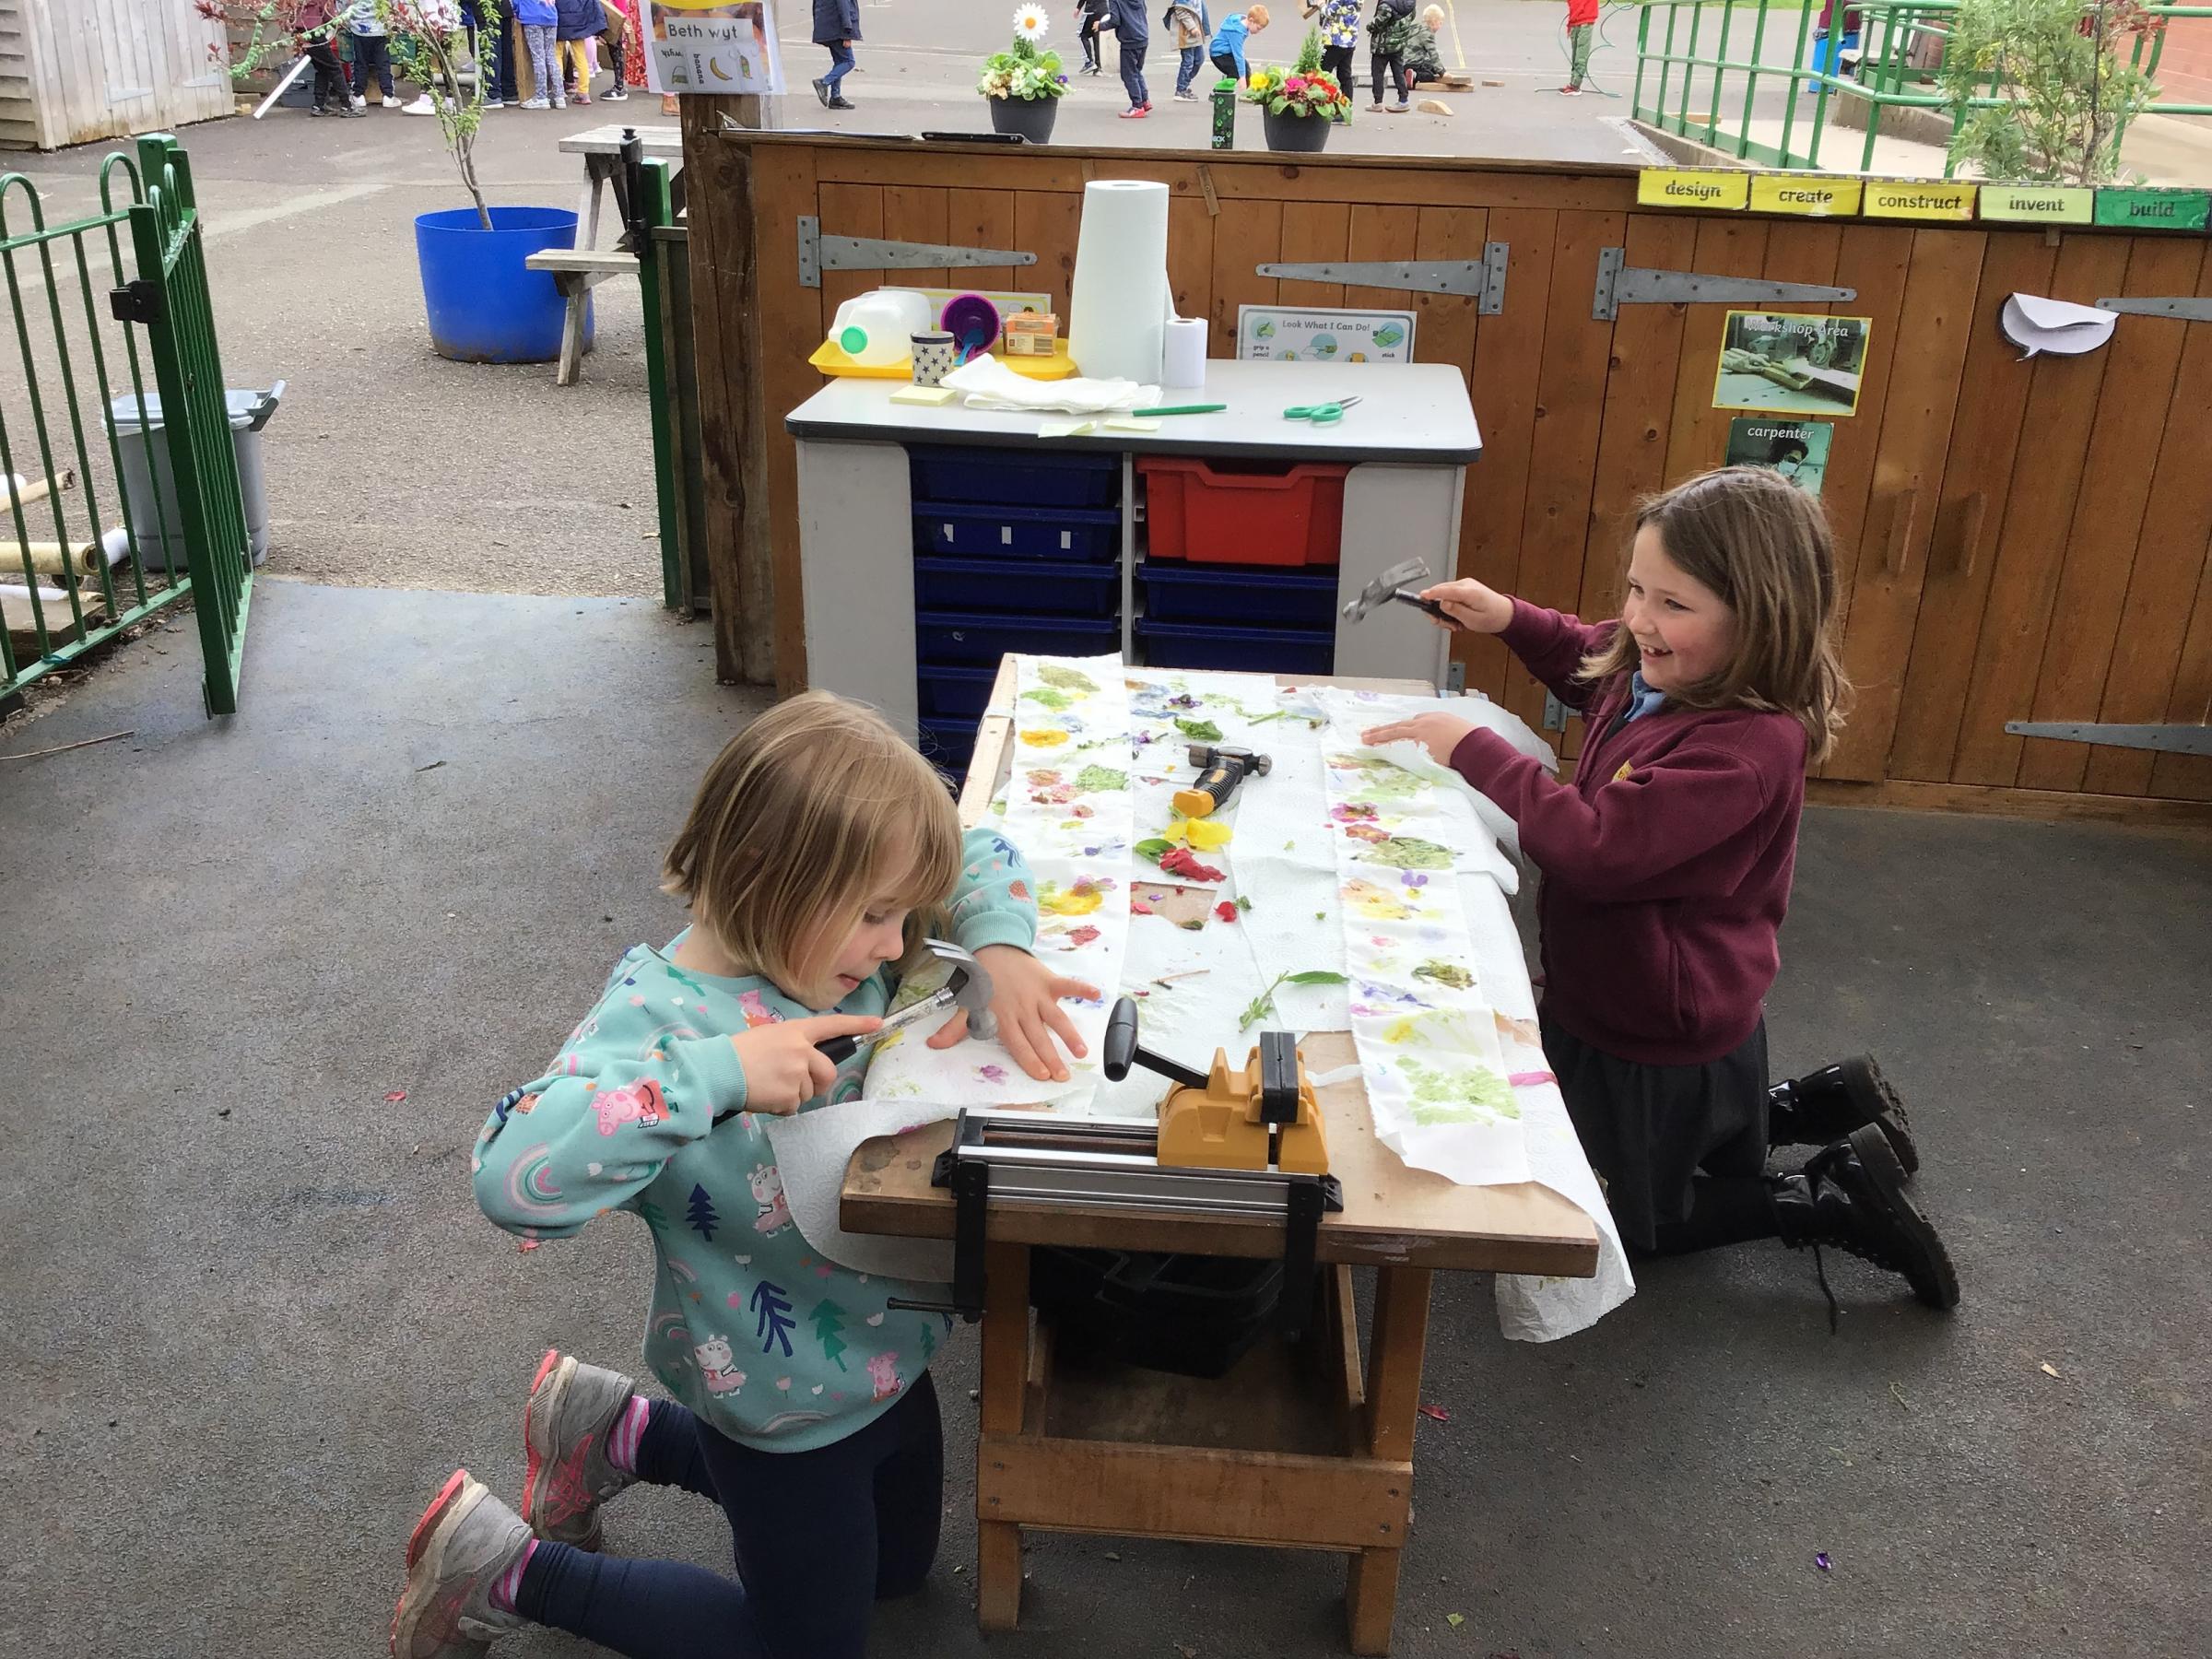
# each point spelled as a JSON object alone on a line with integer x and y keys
{"x": 249, "y": 409}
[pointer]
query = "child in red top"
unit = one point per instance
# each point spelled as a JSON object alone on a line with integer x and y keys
{"x": 1582, "y": 23}
{"x": 1667, "y": 868}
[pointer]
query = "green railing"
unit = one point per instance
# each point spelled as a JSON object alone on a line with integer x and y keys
{"x": 89, "y": 313}
{"x": 1684, "y": 75}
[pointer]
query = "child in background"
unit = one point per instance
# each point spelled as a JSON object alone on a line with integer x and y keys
{"x": 1191, "y": 27}
{"x": 819, "y": 850}
{"x": 836, "y": 25}
{"x": 1227, "y": 46}
{"x": 1339, "y": 28}
{"x": 1135, "y": 35}
{"x": 1581, "y": 24}
{"x": 1424, "y": 63}
{"x": 620, "y": 41}
{"x": 1386, "y": 33}
{"x": 1667, "y": 868}
{"x": 316, "y": 26}
{"x": 1093, "y": 13}
{"x": 371, "y": 54}
{"x": 539, "y": 20}
{"x": 578, "y": 24}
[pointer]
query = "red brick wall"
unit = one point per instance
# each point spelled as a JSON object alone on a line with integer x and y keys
{"x": 2185, "y": 64}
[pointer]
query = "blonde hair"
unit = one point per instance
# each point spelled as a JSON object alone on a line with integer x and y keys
{"x": 1763, "y": 546}
{"x": 1433, "y": 18}
{"x": 808, "y": 816}
{"x": 1255, "y": 17}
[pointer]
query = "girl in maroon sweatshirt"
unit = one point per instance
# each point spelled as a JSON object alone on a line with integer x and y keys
{"x": 1667, "y": 868}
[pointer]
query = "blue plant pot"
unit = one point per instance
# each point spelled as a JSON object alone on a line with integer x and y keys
{"x": 485, "y": 304}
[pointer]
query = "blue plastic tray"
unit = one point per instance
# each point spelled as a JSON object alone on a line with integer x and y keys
{"x": 1256, "y": 650}
{"x": 944, "y": 472}
{"x": 971, "y": 532}
{"x": 964, "y": 637}
{"x": 1176, "y": 592}
{"x": 955, "y": 693}
{"x": 1044, "y": 584}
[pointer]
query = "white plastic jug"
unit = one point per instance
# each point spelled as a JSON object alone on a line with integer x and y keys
{"x": 877, "y": 329}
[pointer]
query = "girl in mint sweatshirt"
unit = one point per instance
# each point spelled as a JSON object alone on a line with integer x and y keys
{"x": 819, "y": 850}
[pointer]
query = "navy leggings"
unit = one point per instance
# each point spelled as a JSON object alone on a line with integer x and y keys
{"x": 821, "y": 1537}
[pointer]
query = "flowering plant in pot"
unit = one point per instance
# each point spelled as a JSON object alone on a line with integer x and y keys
{"x": 1300, "y": 104}
{"x": 1024, "y": 83}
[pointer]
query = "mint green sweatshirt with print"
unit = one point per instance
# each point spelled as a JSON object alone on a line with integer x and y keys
{"x": 768, "y": 1342}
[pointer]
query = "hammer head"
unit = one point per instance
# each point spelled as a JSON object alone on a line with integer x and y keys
{"x": 1384, "y": 588}
{"x": 1206, "y": 756}
{"x": 970, "y": 985}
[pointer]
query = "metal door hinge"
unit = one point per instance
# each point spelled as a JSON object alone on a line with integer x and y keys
{"x": 1484, "y": 279}
{"x": 819, "y": 253}
{"x": 2165, "y": 739}
{"x": 2188, "y": 307}
{"x": 1621, "y": 283}
{"x": 137, "y": 300}
{"x": 1554, "y": 713}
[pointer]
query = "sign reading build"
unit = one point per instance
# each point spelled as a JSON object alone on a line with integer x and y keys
{"x": 2155, "y": 210}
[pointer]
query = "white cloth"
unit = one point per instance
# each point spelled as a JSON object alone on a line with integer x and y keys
{"x": 987, "y": 384}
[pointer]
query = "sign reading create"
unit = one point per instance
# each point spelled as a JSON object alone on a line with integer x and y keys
{"x": 1692, "y": 187}
{"x": 1800, "y": 193}
{"x": 1918, "y": 199}
{"x": 2155, "y": 210}
{"x": 2037, "y": 204}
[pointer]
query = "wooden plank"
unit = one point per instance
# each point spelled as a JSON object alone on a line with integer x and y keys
{"x": 791, "y": 321}
{"x": 2172, "y": 557}
{"x": 985, "y": 218}
{"x": 2046, "y": 483}
{"x": 1570, "y": 394}
{"x": 1047, "y": 225}
{"x": 923, "y": 214}
{"x": 1699, "y": 435}
{"x": 1191, "y": 265}
{"x": 1394, "y": 232}
{"x": 1279, "y": 1498}
{"x": 1639, "y": 410}
{"x": 2100, "y": 553}
{"x": 1921, "y": 400}
{"x": 1964, "y": 525}
{"x": 1005, "y": 1396}
{"x": 848, "y": 210}
{"x": 1246, "y": 234}
{"x": 1395, "y": 1345}
{"x": 2193, "y": 812}
{"x": 1313, "y": 232}
{"x": 1274, "y": 1399}
{"x": 1445, "y": 324}
{"x": 1509, "y": 356}
{"x": 2189, "y": 777}
{"x": 1370, "y": 1600}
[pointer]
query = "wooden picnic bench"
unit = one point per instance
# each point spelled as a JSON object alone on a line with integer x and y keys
{"x": 577, "y": 271}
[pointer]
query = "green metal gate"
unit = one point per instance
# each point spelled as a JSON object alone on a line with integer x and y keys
{"x": 169, "y": 296}
{"x": 104, "y": 569}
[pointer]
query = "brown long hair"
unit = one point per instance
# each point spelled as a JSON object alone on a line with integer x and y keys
{"x": 807, "y": 815}
{"x": 1763, "y": 546}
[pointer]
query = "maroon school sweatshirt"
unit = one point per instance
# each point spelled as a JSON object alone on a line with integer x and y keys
{"x": 1666, "y": 863}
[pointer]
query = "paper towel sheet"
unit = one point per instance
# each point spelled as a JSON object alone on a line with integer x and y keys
{"x": 812, "y": 1151}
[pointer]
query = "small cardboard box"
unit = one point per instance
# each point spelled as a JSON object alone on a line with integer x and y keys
{"x": 1032, "y": 334}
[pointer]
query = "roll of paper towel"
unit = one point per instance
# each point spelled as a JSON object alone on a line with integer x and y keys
{"x": 1185, "y": 353}
{"x": 1119, "y": 303}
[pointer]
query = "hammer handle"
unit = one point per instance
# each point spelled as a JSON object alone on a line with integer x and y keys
{"x": 1407, "y": 596}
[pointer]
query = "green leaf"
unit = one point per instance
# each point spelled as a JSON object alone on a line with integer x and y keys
{"x": 1455, "y": 1620}
{"x": 1155, "y": 849}
{"x": 1315, "y": 976}
{"x": 1205, "y": 731}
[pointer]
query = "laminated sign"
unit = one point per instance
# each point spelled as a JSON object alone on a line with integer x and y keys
{"x": 720, "y": 46}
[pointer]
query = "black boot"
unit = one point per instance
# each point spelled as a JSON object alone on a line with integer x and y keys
{"x": 1823, "y": 1106}
{"x": 1853, "y": 1195}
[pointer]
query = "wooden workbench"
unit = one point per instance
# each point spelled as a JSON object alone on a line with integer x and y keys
{"x": 1304, "y": 1449}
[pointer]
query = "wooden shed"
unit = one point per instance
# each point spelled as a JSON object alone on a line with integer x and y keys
{"x": 74, "y": 71}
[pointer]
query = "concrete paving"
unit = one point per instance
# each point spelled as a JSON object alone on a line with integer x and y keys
{"x": 264, "y": 976}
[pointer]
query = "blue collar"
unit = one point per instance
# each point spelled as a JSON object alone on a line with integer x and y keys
{"x": 1643, "y": 699}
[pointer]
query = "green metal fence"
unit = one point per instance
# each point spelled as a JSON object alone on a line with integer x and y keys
{"x": 1687, "y": 82}
{"x": 100, "y": 320}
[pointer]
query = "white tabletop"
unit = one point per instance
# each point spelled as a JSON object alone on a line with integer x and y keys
{"x": 607, "y": 140}
{"x": 1414, "y": 413}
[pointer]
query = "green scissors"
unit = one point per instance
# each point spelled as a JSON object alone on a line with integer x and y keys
{"x": 1326, "y": 414}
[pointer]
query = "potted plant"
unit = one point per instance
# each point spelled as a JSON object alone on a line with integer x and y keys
{"x": 2038, "y": 88}
{"x": 1024, "y": 83}
{"x": 1299, "y": 105}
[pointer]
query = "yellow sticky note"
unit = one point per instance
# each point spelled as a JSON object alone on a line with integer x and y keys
{"x": 935, "y": 397}
{"x": 1918, "y": 199}
{"x": 1805, "y": 192}
{"x": 1718, "y": 187}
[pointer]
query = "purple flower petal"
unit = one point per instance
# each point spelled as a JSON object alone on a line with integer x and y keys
{"x": 1820, "y": 1561}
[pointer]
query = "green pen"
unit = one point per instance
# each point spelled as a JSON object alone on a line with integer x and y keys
{"x": 1184, "y": 409}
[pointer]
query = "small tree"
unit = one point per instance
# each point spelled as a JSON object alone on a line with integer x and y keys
{"x": 2065, "y": 96}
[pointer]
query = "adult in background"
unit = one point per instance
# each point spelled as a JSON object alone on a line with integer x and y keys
{"x": 1339, "y": 26}
{"x": 1133, "y": 31}
{"x": 836, "y": 25}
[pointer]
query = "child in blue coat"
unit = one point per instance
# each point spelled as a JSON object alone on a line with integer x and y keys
{"x": 836, "y": 25}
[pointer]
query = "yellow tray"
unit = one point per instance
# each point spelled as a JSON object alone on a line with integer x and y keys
{"x": 830, "y": 358}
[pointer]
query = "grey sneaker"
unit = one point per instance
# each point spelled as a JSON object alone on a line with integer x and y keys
{"x": 573, "y": 1405}
{"x": 466, "y": 1540}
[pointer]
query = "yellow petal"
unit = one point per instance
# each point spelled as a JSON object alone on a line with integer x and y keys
{"x": 1206, "y": 834}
